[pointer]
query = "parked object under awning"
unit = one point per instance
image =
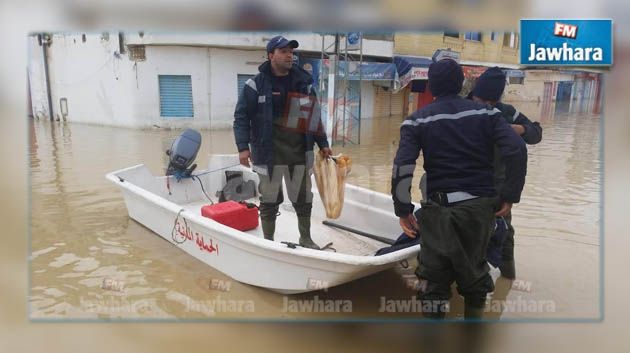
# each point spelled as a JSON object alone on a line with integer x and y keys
{"x": 411, "y": 68}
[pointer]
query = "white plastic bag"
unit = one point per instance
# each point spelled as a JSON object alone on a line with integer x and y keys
{"x": 330, "y": 176}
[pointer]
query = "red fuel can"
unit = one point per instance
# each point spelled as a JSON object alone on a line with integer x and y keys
{"x": 232, "y": 214}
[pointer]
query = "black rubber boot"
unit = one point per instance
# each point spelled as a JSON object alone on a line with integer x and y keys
{"x": 508, "y": 269}
{"x": 432, "y": 310}
{"x": 474, "y": 308}
{"x": 473, "y": 313}
{"x": 304, "y": 226}
{"x": 269, "y": 228}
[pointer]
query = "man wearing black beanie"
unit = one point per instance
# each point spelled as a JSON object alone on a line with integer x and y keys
{"x": 457, "y": 138}
{"x": 490, "y": 85}
{"x": 448, "y": 78}
{"x": 488, "y": 90}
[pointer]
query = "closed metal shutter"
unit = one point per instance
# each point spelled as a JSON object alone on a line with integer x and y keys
{"x": 381, "y": 102}
{"x": 387, "y": 103}
{"x": 241, "y": 82}
{"x": 175, "y": 96}
{"x": 397, "y": 103}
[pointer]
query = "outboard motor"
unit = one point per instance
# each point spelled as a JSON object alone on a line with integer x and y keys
{"x": 183, "y": 153}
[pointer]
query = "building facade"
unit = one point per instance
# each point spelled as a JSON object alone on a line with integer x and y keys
{"x": 143, "y": 80}
{"x": 477, "y": 51}
{"x": 167, "y": 80}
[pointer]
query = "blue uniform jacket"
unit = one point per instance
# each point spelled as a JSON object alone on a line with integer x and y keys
{"x": 532, "y": 136}
{"x": 533, "y": 130}
{"x": 253, "y": 116}
{"x": 457, "y": 137}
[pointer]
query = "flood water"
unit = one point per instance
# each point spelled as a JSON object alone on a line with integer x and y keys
{"x": 89, "y": 260}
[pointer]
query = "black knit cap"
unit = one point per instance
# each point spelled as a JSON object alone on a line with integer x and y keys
{"x": 490, "y": 85}
{"x": 445, "y": 77}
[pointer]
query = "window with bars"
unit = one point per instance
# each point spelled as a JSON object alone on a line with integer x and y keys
{"x": 137, "y": 53}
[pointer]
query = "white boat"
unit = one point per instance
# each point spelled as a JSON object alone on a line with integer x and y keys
{"x": 247, "y": 257}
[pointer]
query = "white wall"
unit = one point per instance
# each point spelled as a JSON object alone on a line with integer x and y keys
{"x": 171, "y": 60}
{"x": 225, "y": 65}
{"x": 96, "y": 83}
{"x": 109, "y": 89}
{"x": 105, "y": 88}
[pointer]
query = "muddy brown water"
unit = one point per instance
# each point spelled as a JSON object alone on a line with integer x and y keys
{"x": 88, "y": 260}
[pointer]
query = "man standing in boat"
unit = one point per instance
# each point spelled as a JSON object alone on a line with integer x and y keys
{"x": 278, "y": 143}
{"x": 457, "y": 137}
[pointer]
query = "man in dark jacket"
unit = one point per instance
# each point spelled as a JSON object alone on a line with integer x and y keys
{"x": 488, "y": 90}
{"x": 457, "y": 137}
{"x": 276, "y": 140}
